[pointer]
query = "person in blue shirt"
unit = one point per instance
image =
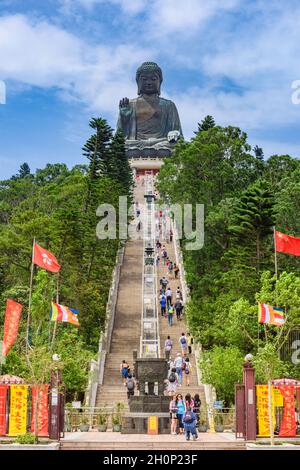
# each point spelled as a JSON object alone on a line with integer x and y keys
{"x": 180, "y": 412}
{"x": 190, "y": 422}
{"x": 163, "y": 303}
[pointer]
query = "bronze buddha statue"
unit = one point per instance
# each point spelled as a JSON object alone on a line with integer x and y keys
{"x": 150, "y": 123}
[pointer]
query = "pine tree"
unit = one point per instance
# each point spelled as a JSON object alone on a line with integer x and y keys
{"x": 23, "y": 171}
{"x": 258, "y": 152}
{"x": 207, "y": 123}
{"x": 96, "y": 149}
{"x": 254, "y": 217}
{"x": 120, "y": 169}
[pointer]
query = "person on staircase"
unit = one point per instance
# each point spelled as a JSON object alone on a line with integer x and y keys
{"x": 124, "y": 369}
{"x": 171, "y": 312}
{"x": 183, "y": 344}
{"x": 164, "y": 282}
{"x": 190, "y": 342}
{"x": 197, "y": 405}
{"x": 163, "y": 303}
{"x": 130, "y": 385}
{"x": 178, "y": 364}
{"x": 169, "y": 296}
{"x": 189, "y": 421}
{"x": 176, "y": 271}
{"x": 178, "y": 309}
{"x": 180, "y": 413}
{"x": 170, "y": 269}
{"x": 173, "y": 381}
{"x": 173, "y": 414}
{"x": 168, "y": 348}
{"x": 187, "y": 371}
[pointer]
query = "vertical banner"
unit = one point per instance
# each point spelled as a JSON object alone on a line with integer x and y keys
{"x": 152, "y": 425}
{"x": 3, "y": 400}
{"x": 43, "y": 410}
{"x": 288, "y": 425}
{"x": 11, "y": 324}
{"x": 263, "y": 410}
{"x": 18, "y": 409}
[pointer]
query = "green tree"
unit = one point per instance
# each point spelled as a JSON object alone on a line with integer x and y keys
{"x": 207, "y": 123}
{"x": 222, "y": 368}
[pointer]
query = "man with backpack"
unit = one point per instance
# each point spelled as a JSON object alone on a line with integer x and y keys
{"x": 190, "y": 421}
{"x": 130, "y": 385}
{"x": 163, "y": 303}
{"x": 178, "y": 364}
{"x": 178, "y": 309}
{"x": 172, "y": 382}
{"x": 183, "y": 344}
{"x": 170, "y": 314}
{"x": 163, "y": 282}
{"x": 168, "y": 347}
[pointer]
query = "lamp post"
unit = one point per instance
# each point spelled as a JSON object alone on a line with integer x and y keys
{"x": 55, "y": 422}
{"x": 250, "y": 400}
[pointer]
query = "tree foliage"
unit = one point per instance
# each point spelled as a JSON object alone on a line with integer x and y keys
{"x": 244, "y": 197}
{"x": 57, "y": 206}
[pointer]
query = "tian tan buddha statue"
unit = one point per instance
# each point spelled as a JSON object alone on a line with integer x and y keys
{"x": 151, "y": 124}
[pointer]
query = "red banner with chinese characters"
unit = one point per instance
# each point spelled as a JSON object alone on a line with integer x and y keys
{"x": 3, "y": 400}
{"x": 11, "y": 324}
{"x": 288, "y": 426}
{"x": 18, "y": 409}
{"x": 43, "y": 411}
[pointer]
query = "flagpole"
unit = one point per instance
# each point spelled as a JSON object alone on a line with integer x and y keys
{"x": 57, "y": 301}
{"x": 275, "y": 252}
{"x": 30, "y": 296}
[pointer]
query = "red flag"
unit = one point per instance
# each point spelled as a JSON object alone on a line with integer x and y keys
{"x": 11, "y": 325}
{"x": 43, "y": 411}
{"x": 45, "y": 259}
{"x": 287, "y": 244}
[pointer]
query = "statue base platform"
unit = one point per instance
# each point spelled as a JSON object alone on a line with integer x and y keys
{"x": 137, "y": 423}
{"x": 148, "y": 153}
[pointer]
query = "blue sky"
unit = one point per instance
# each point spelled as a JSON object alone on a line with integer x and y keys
{"x": 64, "y": 61}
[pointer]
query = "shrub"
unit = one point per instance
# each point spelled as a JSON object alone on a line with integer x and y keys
{"x": 27, "y": 438}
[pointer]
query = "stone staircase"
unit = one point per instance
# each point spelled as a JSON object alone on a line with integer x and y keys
{"x": 177, "y": 329}
{"x": 127, "y": 327}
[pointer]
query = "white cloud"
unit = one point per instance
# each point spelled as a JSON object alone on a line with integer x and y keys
{"x": 41, "y": 54}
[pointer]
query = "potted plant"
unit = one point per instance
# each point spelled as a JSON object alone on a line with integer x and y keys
{"x": 219, "y": 422}
{"x": 117, "y": 417}
{"x": 116, "y": 422}
{"x": 84, "y": 424}
{"x": 202, "y": 426}
{"x": 102, "y": 422}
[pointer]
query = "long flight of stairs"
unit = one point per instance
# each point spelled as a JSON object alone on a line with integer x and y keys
{"x": 127, "y": 326}
{"x": 177, "y": 329}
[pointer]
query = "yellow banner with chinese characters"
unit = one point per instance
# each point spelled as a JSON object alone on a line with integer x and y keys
{"x": 262, "y": 400}
{"x": 18, "y": 409}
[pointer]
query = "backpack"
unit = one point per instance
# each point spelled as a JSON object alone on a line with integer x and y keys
{"x": 188, "y": 417}
{"x": 172, "y": 377}
{"x": 171, "y": 311}
{"x": 130, "y": 385}
{"x": 183, "y": 340}
{"x": 168, "y": 345}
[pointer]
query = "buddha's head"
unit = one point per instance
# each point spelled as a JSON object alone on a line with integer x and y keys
{"x": 149, "y": 78}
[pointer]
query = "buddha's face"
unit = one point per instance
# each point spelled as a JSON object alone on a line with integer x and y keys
{"x": 149, "y": 83}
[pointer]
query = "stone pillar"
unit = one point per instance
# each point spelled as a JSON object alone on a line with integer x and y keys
{"x": 250, "y": 401}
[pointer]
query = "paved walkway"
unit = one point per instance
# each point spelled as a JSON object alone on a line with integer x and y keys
{"x": 117, "y": 441}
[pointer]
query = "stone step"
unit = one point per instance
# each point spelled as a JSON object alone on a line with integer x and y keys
{"x": 132, "y": 443}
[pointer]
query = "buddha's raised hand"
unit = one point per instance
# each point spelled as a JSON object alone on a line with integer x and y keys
{"x": 124, "y": 106}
